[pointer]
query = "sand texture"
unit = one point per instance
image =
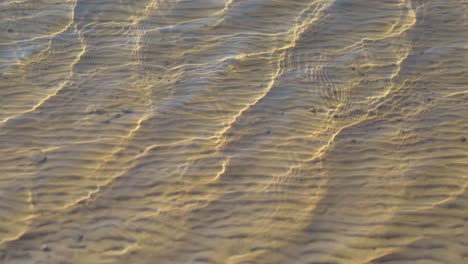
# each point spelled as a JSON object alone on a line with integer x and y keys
{"x": 233, "y": 131}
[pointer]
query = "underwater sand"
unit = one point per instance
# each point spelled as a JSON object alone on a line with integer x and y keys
{"x": 233, "y": 131}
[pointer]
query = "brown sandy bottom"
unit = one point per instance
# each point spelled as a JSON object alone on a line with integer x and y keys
{"x": 241, "y": 131}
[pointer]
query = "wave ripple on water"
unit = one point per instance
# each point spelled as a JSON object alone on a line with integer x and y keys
{"x": 253, "y": 131}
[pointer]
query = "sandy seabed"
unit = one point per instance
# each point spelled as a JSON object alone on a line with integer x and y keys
{"x": 239, "y": 131}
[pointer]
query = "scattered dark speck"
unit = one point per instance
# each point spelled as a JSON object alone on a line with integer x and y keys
{"x": 312, "y": 110}
{"x": 80, "y": 238}
{"x": 39, "y": 158}
{"x": 353, "y": 141}
{"x": 429, "y": 99}
{"x": 116, "y": 248}
{"x": 44, "y": 159}
{"x": 268, "y": 132}
{"x": 160, "y": 78}
{"x": 10, "y": 30}
{"x": 118, "y": 116}
{"x": 463, "y": 139}
{"x": 45, "y": 248}
{"x": 452, "y": 205}
{"x": 141, "y": 151}
{"x": 201, "y": 259}
{"x": 128, "y": 111}
{"x": 322, "y": 210}
{"x": 336, "y": 116}
{"x": 422, "y": 52}
{"x": 353, "y": 68}
{"x": 98, "y": 112}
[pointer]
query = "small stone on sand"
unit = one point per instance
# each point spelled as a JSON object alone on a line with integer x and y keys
{"x": 45, "y": 248}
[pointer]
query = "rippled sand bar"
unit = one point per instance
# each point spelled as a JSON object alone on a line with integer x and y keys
{"x": 233, "y": 131}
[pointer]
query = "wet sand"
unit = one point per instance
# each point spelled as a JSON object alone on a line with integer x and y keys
{"x": 239, "y": 131}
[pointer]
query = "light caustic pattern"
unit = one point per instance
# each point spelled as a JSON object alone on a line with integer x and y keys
{"x": 240, "y": 131}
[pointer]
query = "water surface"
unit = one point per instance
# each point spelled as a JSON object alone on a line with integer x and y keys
{"x": 239, "y": 131}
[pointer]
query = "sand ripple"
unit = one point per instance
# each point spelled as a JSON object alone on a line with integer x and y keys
{"x": 202, "y": 131}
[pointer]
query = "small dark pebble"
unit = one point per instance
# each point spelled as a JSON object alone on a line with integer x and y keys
{"x": 336, "y": 116}
{"x": 322, "y": 210}
{"x": 463, "y": 139}
{"x": 98, "y": 112}
{"x": 353, "y": 68}
{"x": 42, "y": 160}
{"x": 452, "y": 205}
{"x": 80, "y": 238}
{"x": 312, "y": 110}
{"x": 159, "y": 78}
{"x": 10, "y": 30}
{"x": 268, "y": 132}
{"x": 118, "y": 116}
{"x": 353, "y": 141}
{"x": 428, "y": 99}
{"x": 422, "y": 52}
{"x": 45, "y": 248}
{"x": 128, "y": 111}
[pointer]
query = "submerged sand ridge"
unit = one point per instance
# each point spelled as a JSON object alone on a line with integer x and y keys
{"x": 233, "y": 131}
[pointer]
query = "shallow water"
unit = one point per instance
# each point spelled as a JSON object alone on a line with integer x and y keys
{"x": 240, "y": 131}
